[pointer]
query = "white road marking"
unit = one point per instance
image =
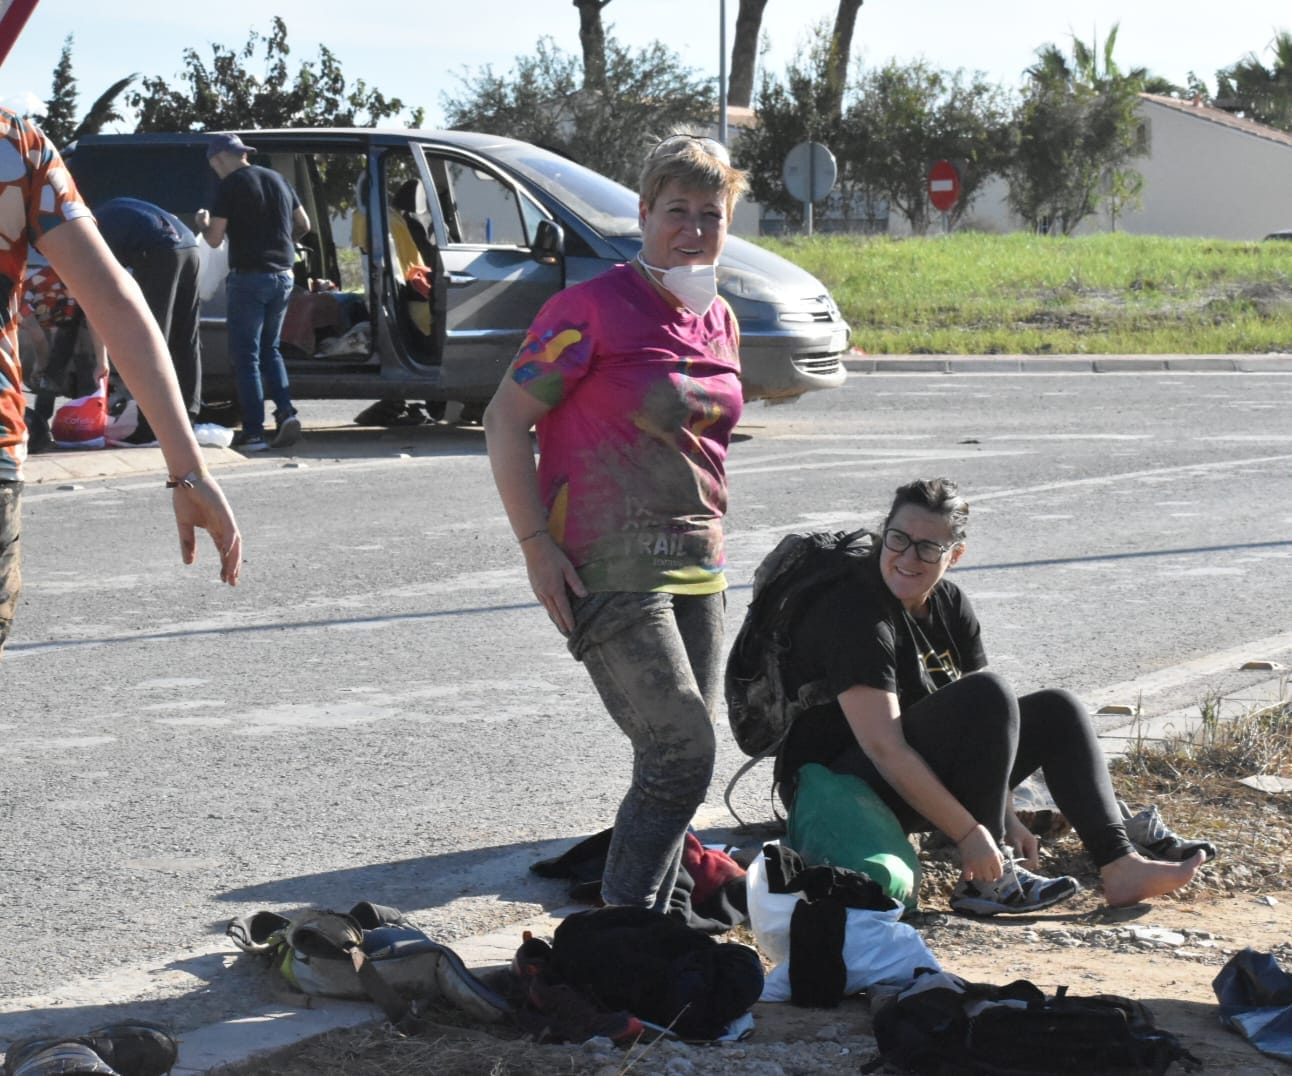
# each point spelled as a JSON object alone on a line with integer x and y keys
{"x": 1105, "y": 480}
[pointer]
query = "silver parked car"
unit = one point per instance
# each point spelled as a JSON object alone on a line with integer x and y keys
{"x": 436, "y": 249}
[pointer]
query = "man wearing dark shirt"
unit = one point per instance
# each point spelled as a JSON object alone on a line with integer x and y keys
{"x": 263, "y": 218}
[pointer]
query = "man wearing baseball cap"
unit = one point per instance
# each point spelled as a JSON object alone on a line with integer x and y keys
{"x": 263, "y": 218}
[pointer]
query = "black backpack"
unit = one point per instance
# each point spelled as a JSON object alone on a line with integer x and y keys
{"x": 759, "y": 708}
{"x": 941, "y": 1025}
{"x": 657, "y": 968}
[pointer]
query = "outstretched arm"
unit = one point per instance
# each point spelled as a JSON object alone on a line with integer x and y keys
{"x": 115, "y": 306}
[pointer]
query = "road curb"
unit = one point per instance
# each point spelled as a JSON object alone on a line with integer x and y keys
{"x": 860, "y": 363}
{"x": 87, "y": 465}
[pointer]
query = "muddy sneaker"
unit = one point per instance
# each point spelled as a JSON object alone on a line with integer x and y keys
{"x": 1153, "y": 840}
{"x": 1016, "y": 892}
{"x": 134, "y": 1048}
{"x": 52, "y": 1057}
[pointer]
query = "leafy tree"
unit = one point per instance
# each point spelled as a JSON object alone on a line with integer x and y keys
{"x": 1260, "y": 93}
{"x": 648, "y": 92}
{"x": 792, "y": 109}
{"x": 1076, "y": 133}
{"x": 225, "y": 95}
{"x": 744, "y": 52}
{"x": 59, "y": 120}
{"x": 907, "y": 116}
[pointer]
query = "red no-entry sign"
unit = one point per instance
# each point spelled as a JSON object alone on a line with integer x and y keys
{"x": 944, "y": 185}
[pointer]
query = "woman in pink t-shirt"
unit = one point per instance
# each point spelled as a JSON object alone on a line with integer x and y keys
{"x": 633, "y": 382}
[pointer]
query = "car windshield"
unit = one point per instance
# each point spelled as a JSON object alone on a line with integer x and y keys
{"x": 606, "y": 205}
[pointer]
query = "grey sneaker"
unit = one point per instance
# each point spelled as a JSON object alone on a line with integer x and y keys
{"x": 1016, "y": 892}
{"x": 289, "y": 431}
{"x": 1152, "y": 839}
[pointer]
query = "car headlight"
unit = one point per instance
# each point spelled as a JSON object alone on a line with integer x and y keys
{"x": 751, "y": 286}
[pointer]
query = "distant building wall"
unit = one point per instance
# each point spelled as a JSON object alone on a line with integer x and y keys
{"x": 1207, "y": 177}
{"x": 1206, "y": 174}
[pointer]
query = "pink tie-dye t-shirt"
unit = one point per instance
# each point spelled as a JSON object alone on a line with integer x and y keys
{"x": 632, "y": 453}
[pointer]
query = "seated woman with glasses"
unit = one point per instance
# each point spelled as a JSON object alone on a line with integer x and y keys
{"x": 633, "y": 382}
{"x": 943, "y": 742}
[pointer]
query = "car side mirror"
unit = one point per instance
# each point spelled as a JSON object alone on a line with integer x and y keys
{"x": 549, "y": 243}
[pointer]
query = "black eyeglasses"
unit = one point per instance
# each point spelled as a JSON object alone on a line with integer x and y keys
{"x": 711, "y": 146}
{"x": 928, "y": 551}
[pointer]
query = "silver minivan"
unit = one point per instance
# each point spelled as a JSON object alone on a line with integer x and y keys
{"x": 433, "y": 250}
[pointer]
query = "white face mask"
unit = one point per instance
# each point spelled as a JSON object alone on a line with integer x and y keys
{"x": 696, "y": 286}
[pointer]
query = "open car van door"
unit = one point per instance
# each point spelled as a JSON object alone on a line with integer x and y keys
{"x": 502, "y": 258}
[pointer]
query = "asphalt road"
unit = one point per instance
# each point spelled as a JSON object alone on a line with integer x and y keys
{"x": 379, "y": 711}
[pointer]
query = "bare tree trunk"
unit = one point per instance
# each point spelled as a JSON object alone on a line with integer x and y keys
{"x": 592, "y": 36}
{"x": 845, "y": 21}
{"x": 744, "y": 53}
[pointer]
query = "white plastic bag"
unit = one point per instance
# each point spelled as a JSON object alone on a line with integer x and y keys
{"x": 877, "y": 948}
{"x": 214, "y": 263}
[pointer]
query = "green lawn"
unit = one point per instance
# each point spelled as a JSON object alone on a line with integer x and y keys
{"x": 974, "y": 294}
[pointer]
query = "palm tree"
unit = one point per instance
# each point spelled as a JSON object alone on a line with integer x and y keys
{"x": 104, "y": 109}
{"x": 1260, "y": 93}
{"x": 744, "y": 53}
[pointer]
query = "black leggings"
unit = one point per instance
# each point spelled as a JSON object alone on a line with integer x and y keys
{"x": 982, "y": 740}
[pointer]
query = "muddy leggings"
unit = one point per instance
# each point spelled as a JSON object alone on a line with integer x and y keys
{"x": 656, "y": 660}
{"x": 982, "y": 740}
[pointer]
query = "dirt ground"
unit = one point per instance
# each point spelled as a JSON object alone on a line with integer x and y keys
{"x": 1165, "y": 954}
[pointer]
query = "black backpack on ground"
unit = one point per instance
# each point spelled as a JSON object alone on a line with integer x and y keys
{"x": 759, "y": 708}
{"x": 639, "y": 961}
{"x": 941, "y": 1025}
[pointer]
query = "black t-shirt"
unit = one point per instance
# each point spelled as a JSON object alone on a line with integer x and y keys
{"x": 258, "y": 204}
{"x": 858, "y": 634}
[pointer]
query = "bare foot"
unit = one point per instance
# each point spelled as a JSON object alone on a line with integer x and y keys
{"x": 1133, "y": 878}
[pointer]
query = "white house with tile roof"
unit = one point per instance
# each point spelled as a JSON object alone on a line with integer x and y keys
{"x": 1207, "y": 173}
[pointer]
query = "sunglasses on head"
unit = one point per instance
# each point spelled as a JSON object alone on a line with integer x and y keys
{"x": 711, "y": 146}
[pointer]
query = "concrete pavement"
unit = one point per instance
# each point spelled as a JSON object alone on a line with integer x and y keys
{"x": 69, "y": 465}
{"x": 269, "y": 1029}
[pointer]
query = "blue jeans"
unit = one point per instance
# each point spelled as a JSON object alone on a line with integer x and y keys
{"x": 656, "y": 660}
{"x": 257, "y": 304}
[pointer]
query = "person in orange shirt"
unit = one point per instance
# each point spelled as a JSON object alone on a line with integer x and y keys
{"x": 39, "y": 205}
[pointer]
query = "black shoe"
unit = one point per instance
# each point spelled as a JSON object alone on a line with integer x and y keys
{"x": 134, "y": 1048}
{"x": 39, "y": 438}
{"x": 381, "y": 413}
{"x": 250, "y": 442}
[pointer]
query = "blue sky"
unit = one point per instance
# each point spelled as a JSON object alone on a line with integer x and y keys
{"x": 416, "y": 57}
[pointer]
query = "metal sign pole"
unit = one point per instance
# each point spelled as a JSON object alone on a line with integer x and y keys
{"x": 811, "y": 188}
{"x": 722, "y": 71}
